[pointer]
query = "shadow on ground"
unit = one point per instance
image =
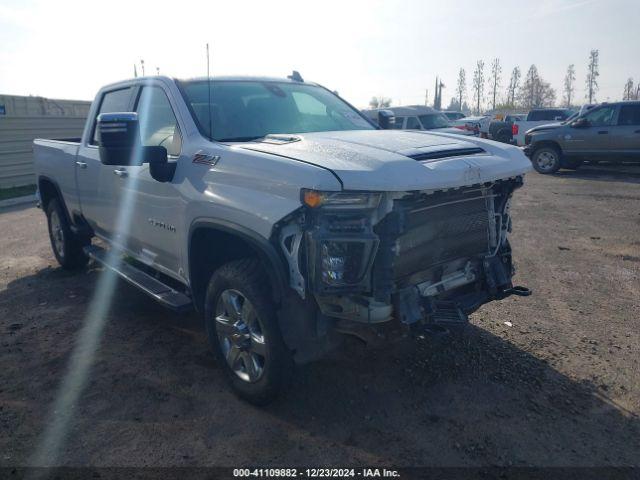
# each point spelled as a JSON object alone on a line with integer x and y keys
{"x": 607, "y": 172}
{"x": 157, "y": 397}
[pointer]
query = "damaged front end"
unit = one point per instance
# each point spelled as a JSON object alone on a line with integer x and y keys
{"x": 425, "y": 259}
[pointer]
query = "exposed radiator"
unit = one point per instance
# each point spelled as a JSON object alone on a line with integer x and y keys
{"x": 443, "y": 227}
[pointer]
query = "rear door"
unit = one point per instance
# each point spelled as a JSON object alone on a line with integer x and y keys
{"x": 625, "y": 136}
{"x": 595, "y": 139}
{"x": 95, "y": 180}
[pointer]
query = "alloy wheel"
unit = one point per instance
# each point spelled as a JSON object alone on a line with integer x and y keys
{"x": 241, "y": 337}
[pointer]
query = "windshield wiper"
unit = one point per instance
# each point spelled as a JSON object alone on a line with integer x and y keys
{"x": 238, "y": 139}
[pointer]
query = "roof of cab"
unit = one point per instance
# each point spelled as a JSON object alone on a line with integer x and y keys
{"x": 236, "y": 78}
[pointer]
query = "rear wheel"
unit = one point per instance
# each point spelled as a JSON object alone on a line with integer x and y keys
{"x": 244, "y": 333}
{"x": 504, "y": 137}
{"x": 67, "y": 247}
{"x": 546, "y": 159}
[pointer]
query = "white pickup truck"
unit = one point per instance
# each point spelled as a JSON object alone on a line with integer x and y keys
{"x": 282, "y": 215}
{"x": 535, "y": 118}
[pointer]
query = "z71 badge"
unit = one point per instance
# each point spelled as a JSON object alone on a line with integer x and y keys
{"x": 204, "y": 159}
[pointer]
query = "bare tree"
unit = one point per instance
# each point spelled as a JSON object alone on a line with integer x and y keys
{"x": 535, "y": 92}
{"x": 593, "y": 72}
{"x": 569, "y": 80}
{"x": 494, "y": 81}
{"x": 629, "y": 92}
{"x": 379, "y": 102}
{"x": 478, "y": 85}
{"x": 461, "y": 86}
{"x": 514, "y": 83}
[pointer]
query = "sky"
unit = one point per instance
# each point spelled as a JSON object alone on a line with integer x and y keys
{"x": 69, "y": 49}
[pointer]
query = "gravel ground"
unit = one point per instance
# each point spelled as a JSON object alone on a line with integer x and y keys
{"x": 559, "y": 387}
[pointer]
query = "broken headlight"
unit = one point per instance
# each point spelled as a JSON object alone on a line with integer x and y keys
{"x": 341, "y": 263}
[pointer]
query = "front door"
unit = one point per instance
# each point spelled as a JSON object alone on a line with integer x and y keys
{"x": 155, "y": 209}
{"x": 593, "y": 140}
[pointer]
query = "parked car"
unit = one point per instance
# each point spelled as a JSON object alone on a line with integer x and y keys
{"x": 501, "y": 130}
{"x": 471, "y": 124}
{"x": 609, "y": 131}
{"x": 536, "y": 117}
{"x": 452, "y": 116}
{"x": 418, "y": 117}
{"x": 281, "y": 214}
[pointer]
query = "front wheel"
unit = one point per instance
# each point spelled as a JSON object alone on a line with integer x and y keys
{"x": 546, "y": 160}
{"x": 243, "y": 331}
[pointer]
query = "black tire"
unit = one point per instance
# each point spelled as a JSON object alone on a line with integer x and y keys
{"x": 572, "y": 163}
{"x": 504, "y": 137}
{"x": 546, "y": 159}
{"x": 66, "y": 246}
{"x": 247, "y": 278}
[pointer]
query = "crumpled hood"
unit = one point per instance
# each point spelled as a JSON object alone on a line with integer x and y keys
{"x": 378, "y": 159}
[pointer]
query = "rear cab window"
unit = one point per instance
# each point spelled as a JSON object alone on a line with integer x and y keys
{"x": 629, "y": 115}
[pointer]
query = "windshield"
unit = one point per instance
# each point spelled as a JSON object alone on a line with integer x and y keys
{"x": 434, "y": 120}
{"x": 245, "y": 110}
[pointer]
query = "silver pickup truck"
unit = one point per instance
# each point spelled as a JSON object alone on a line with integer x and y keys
{"x": 282, "y": 215}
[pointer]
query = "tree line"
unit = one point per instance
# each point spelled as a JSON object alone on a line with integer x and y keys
{"x": 530, "y": 91}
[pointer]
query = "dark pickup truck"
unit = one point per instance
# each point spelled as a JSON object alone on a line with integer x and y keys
{"x": 608, "y": 132}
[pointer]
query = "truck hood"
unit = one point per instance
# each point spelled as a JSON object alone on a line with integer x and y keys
{"x": 544, "y": 128}
{"x": 398, "y": 160}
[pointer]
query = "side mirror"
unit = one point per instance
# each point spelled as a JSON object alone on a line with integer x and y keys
{"x": 118, "y": 136}
{"x": 119, "y": 144}
{"x": 580, "y": 123}
{"x": 160, "y": 168}
{"x": 386, "y": 119}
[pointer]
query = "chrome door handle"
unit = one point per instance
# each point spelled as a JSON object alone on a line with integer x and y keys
{"x": 121, "y": 172}
{"x": 81, "y": 164}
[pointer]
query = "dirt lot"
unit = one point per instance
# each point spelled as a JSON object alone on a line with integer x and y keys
{"x": 558, "y": 387}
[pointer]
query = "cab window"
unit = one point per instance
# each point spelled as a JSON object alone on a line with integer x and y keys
{"x": 413, "y": 123}
{"x": 629, "y": 115}
{"x": 601, "y": 117}
{"x": 158, "y": 124}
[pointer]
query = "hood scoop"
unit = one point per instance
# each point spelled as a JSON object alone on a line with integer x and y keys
{"x": 279, "y": 139}
{"x": 446, "y": 153}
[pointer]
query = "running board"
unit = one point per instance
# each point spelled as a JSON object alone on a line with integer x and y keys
{"x": 153, "y": 287}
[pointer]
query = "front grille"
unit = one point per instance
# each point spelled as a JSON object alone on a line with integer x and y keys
{"x": 440, "y": 228}
{"x": 527, "y": 139}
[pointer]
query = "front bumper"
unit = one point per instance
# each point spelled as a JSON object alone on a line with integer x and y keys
{"x": 528, "y": 150}
{"x": 431, "y": 258}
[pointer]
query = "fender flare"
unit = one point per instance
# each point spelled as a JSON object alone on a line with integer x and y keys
{"x": 56, "y": 187}
{"x": 275, "y": 267}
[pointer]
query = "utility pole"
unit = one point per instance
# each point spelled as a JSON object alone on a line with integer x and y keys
{"x": 142, "y": 65}
{"x": 135, "y": 71}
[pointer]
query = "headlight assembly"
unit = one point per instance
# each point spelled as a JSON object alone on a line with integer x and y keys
{"x": 339, "y": 200}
